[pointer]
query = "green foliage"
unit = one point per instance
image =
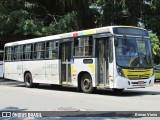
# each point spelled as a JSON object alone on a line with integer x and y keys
{"x": 40, "y": 18}
{"x": 155, "y": 47}
{"x": 155, "y": 44}
{"x": 66, "y": 24}
{"x": 28, "y": 27}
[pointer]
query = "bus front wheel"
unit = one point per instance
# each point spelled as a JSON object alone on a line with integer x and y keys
{"x": 86, "y": 84}
{"x": 28, "y": 80}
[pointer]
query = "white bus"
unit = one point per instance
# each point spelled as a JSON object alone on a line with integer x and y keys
{"x": 1, "y": 64}
{"x": 87, "y": 59}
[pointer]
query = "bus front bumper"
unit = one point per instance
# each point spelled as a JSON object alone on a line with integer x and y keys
{"x": 123, "y": 83}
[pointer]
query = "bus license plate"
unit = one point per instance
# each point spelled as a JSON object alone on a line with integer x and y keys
{"x": 140, "y": 82}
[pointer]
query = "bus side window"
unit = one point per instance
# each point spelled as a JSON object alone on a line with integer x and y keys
{"x": 76, "y": 51}
{"x": 9, "y": 53}
{"x": 18, "y": 52}
{"x": 83, "y": 46}
{"x": 14, "y": 55}
{"x": 39, "y": 50}
{"x": 51, "y": 50}
{"x": 28, "y": 52}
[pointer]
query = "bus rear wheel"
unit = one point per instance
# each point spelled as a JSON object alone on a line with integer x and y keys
{"x": 28, "y": 80}
{"x": 86, "y": 84}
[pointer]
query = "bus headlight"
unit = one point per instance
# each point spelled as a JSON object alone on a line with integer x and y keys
{"x": 119, "y": 71}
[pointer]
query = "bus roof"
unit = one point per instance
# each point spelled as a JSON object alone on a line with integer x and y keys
{"x": 68, "y": 35}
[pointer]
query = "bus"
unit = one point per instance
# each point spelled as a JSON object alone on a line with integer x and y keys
{"x": 1, "y": 64}
{"x": 87, "y": 59}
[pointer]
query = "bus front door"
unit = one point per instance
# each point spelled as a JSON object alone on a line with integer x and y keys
{"x": 65, "y": 49}
{"x": 103, "y": 62}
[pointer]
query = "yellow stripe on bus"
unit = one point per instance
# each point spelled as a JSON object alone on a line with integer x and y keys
{"x": 73, "y": 69}
{"x": 92, "y": 67}
{"x": 88, "y": 32}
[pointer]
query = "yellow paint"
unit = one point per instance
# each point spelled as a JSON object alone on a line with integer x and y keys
{"x": 88, "y": 32}
{"x": 92, "y": 67}
{"x": 129, "y": 27}
{"x": 73, "y": 69}
{"x": 137, "y": 74}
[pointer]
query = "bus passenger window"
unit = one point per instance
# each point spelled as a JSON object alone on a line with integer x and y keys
{"x": 39, "y": 49}
{"x": 51, "y": 50}
{"x": 18, "y": 53}
{"x": 9, "y": 53}
{"x": 28, "y": 52}
{"x": 83, "y": 46}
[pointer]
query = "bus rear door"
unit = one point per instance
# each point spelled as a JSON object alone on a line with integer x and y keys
{"x": 65, "y": 57}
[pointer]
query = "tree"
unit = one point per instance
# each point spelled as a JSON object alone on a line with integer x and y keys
{"x": 36, "y": 18}
{"x": 153, "y": 17}
{"x": 155, "y": 47}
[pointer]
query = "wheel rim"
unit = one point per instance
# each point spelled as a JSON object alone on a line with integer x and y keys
{"x": 87, "y": 84}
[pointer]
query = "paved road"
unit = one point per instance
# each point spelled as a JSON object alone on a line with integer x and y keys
{"x": 16, "y": 97}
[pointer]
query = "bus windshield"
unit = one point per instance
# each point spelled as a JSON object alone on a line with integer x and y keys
{"x": 133, "y": 52}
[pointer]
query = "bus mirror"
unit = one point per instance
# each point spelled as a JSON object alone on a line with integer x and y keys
{"x": 116, "y": 42}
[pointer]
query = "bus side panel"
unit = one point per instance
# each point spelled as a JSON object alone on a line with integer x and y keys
{"x": 52, "y": 72}
{"x": 43, "y": 71}
{"x": 37, "y": 69}
{"x": 82, "y": 65}
{"x": 13, "y": 70}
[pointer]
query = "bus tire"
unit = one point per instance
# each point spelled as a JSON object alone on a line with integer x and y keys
{"x": 86, "y": 84}
{"x": 117, "y": 90}
{"x": 28, "y": 80}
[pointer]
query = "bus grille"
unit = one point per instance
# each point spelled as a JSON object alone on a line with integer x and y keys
{"x": 137, "y": 74}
